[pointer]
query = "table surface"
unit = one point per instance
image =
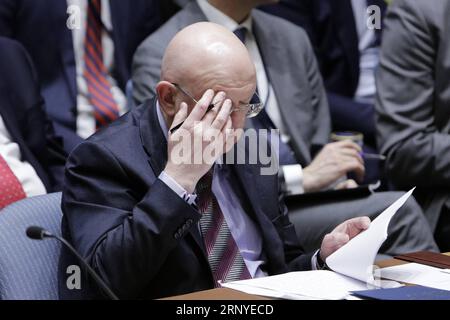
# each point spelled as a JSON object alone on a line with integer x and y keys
{"x": 229, "y": 294}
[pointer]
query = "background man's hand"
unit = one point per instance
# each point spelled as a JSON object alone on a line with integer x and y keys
{"x": 342, "y": 234}
{"x": 201, "y": 131}
{"x": 332, "y": 163}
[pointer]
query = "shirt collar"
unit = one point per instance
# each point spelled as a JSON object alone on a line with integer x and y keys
{"x": 216, "y": 16}
{"x": 161, "y": 120}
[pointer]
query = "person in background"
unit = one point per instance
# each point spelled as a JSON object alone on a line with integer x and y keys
{"x": 413, "y": 99}
{"x": 290, "y": 85}
{"x": 31, "y": 156}
{"x": 152, "y": 226}
{"x": 347, "y": 51}
{"x": 82, "y": 50}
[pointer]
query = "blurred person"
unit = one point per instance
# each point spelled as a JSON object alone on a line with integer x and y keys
{"x": 31, "y": 155}
{"x": 347, "y": 51}
{"x": 290, "y": 85}
{"x": 413, "y": 99}
{"x": 82, "y": 50}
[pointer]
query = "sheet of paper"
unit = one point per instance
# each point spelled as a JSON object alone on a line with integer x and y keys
{"x": 357, "y": 257}
{"x": 318, "y": 284}
{"x": 420, "y": 274}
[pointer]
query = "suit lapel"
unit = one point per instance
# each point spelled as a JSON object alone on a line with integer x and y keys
{"x": 63, "y": 38}
{"x": 286, "y": 91}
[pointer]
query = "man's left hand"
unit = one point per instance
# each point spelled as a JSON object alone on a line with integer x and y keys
{"x": 342, "y": 234}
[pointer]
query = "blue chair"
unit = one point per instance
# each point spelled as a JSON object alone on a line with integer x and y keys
{"x": 29, "y": 268}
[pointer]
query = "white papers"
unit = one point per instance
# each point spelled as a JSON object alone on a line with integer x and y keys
{"x": 353, "y": 266}
{"x": 357, "y": 257}
{"x": 319, "y": 284}
{"x": 419, "y": 274}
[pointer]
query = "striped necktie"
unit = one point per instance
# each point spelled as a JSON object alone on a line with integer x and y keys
{"x": 224, "y": 258}
{"x": 10, "y": 188}
{"x": 99, "y": 88}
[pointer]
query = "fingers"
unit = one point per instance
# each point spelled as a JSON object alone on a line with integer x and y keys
{"x": 348, "y": 184}
{"x": 361, "y": 223}
{"x": 200, "y": 108}
{"x": 334, "y": 241}
{"x": 347, "y": 144}
{"x": 352, "y": 153}
{"x": 223, "y": 115}
{"x": 211, "y": 114}
{"x": 180, "y": 116}
{"x": 353, "y": 227}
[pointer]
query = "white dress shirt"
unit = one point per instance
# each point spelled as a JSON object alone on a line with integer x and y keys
{"x": 293, "y": 173}
{"x": 25, "y": 173}
{"x": 369, "y": 54}
{"x": 85, "y": 120}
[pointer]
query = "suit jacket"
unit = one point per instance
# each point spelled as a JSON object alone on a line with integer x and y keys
{"x": 332, "y": 29}
{"x": 22, "y": 110}
{"x": 298, "y": 93}
{"x": 413, "y": 103}
{"x": 138, "y": 234}
{"x": 41, "y": 27}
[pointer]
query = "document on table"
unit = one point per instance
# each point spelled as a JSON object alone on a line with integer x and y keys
{"x": 300, "y": 285}
{"x": 419, "y": 274}
{"x": 357, "y": 257}
{"x": 352, "y": 265}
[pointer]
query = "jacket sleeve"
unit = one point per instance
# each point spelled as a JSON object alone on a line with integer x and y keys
{"x": 124, "y": 236}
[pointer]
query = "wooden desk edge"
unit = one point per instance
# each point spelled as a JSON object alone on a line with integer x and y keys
{"x": 229, "y": 294}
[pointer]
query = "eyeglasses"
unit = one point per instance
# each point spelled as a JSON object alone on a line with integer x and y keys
{"x": 251, "y": 109}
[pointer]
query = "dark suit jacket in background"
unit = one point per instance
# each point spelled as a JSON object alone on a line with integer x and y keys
{"x": 413, "y": 102}
{"x": 41, "y": 27}
{"x": 139, "y": 235}
{"x": 300, "y": 95}
{"x": 331, "y": 26}
{"x": 22, "y": 110}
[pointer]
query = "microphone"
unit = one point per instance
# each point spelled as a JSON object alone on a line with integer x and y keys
{"x": 38, "y": 233}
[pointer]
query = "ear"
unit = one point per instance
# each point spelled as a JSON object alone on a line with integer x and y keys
{"x": 166, "y": 96}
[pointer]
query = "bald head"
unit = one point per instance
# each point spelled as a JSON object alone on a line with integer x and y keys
{"x": 205, "y": 55}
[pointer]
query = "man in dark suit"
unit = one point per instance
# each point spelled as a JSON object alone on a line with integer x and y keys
{"x": 413, "y": 101}
{"x": 290, "y": 84}
{"x": 82, "y": 63}
{"x": 31, "y": 156}
{"x": 347, "y": 52}
{"x": 152, "y": 224}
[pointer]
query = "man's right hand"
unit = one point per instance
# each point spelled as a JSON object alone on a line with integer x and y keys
{"x": 332, "y": 163}
{"x": 186, "y": 147}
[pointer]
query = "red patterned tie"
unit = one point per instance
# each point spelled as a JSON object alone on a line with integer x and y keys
{"x": 224, "y": 258}
{"x": 10, "y": 188}
{"x": 99, "y": 88}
